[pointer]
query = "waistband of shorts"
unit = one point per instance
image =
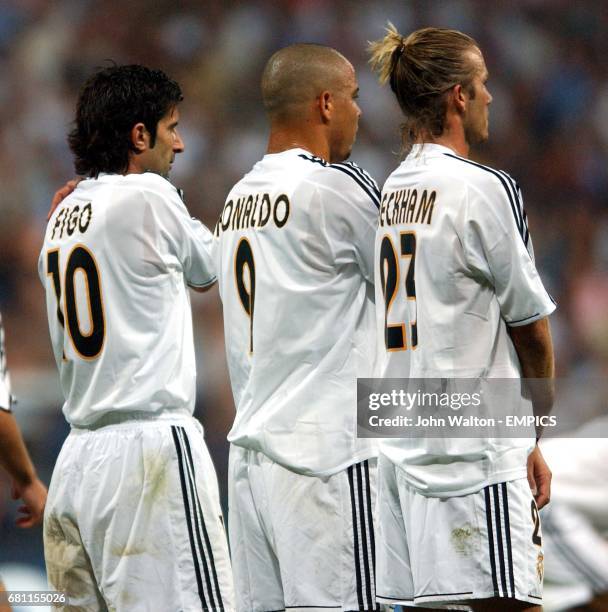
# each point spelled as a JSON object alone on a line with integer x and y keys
{"x": 132, "y": 418}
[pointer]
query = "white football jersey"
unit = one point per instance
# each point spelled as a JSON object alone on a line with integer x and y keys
{"x": 295, "y": 269}
{"x": 118, "y": 256}
{"x": 454, "y": 267}
{"x": 6, "y": 398}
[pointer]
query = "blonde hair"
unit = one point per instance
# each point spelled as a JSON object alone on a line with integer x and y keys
{"x": 421, "y": 68}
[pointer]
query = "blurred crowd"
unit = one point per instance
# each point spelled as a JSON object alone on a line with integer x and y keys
{"x": 549, "y": 129}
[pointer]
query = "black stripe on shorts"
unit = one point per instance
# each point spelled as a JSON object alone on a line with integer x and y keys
{"x": 363, "y": 533}
{"x": 201, "y": 517}
{"x": 499, "y": 540}
{"x": 202, "y": 556}
{"x": 505, "y": 503}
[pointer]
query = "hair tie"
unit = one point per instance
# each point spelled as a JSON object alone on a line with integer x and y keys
{"x": 400, "y": 49}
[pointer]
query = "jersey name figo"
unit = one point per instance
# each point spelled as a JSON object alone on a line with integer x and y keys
{"x": 454, "y": 269}
{"x": 295, "y": 266}
{"x": 118, "y": 256}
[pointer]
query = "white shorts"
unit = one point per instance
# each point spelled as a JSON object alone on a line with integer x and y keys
{"x": 440, "y": 550}
{"x": 576, "y": 555}
{"x": 300, "y": 542}
{"x": 133, "y": 520}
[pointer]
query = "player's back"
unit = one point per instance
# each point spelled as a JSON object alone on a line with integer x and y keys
{"x": 439, "y": 216}
{"x": 114, "y": 267}
{"x": 294, "y": 265}
{"x": 455, "y": 268}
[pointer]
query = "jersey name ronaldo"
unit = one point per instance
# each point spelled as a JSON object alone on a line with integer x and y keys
{"x": 295, "y": 268}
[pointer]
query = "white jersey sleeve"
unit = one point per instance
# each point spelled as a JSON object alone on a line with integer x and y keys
{"x": 498, "y": 248}
{"x": 352, "y": 218}
{"x": 186, "y": 238}
{"x": 6, "y": 399}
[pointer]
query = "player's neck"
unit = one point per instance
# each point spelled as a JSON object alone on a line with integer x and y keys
{"x": 309, "y": 139}
{"x": 453, "y": 135}
{"x": 451, "y": 139}
{"x": 135, "y": 166}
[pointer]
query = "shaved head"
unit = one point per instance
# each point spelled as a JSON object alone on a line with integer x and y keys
{"x": 296, "y": 75}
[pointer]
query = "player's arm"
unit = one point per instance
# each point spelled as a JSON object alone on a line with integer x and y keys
{"x": 534, "y": 348}
{"x": 524, "y": 301}
{"x": 535, "y": 351}
{"x": 184, "y": 236}
{"x": 498, "y": 247}
{"x": 15, "y": 459}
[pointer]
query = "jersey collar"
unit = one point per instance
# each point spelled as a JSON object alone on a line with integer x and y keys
{"x": 430, "y": 148}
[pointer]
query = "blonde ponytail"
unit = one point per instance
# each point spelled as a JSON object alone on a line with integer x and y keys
{"x": 420, "y": 69}
{"x": 386, "y": 52}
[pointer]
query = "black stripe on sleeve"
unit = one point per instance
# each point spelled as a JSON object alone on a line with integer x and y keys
{"x": 372, "y": 192}
{"x": 526, "y": 229}
{"x": 522, "y": 211}
{"x": 525, "y": 318}
{"x": 510, "y": 183}
{"x": 182, "y": 478}
{"x": 503, "y": 182}
{"x": 349, "y": 172}
{"x": 365, "y": 176}
{"x": 491, "y": 540}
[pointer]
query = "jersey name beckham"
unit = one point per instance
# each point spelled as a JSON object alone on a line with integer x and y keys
{"x": 118, "y": 256}
{"x": 454, "y": 268}
{"x": 295, "y": 267}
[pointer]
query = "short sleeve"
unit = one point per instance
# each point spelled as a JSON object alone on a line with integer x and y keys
{"x": 498, "y": 247}
{"x": 351, "y": 215}
{"x": 186, "y": 238}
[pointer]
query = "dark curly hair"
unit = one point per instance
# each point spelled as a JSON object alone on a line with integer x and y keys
{"x": 110, "y": 103}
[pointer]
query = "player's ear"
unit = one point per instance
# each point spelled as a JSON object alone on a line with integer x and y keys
{"x": 326, "y": 106}
{"x": 140, "y": 137}
{"x": 459, "y": 97}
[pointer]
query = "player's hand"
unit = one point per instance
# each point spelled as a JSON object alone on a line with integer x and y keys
{"x": 539, "y": 477}
{"x": 34, "y": 498}
{"x": 61, "y": 194}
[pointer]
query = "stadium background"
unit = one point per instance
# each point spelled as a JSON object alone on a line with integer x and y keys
{"x": 549, "y": 129}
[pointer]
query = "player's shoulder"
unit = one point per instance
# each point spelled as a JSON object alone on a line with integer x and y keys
{"x": 345, "y": 178}
{"x": 480, "y": 176}
{"x": 127, "y": 186}
{"x": 494, "y": 186}
{"x": 152, "y": 184}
